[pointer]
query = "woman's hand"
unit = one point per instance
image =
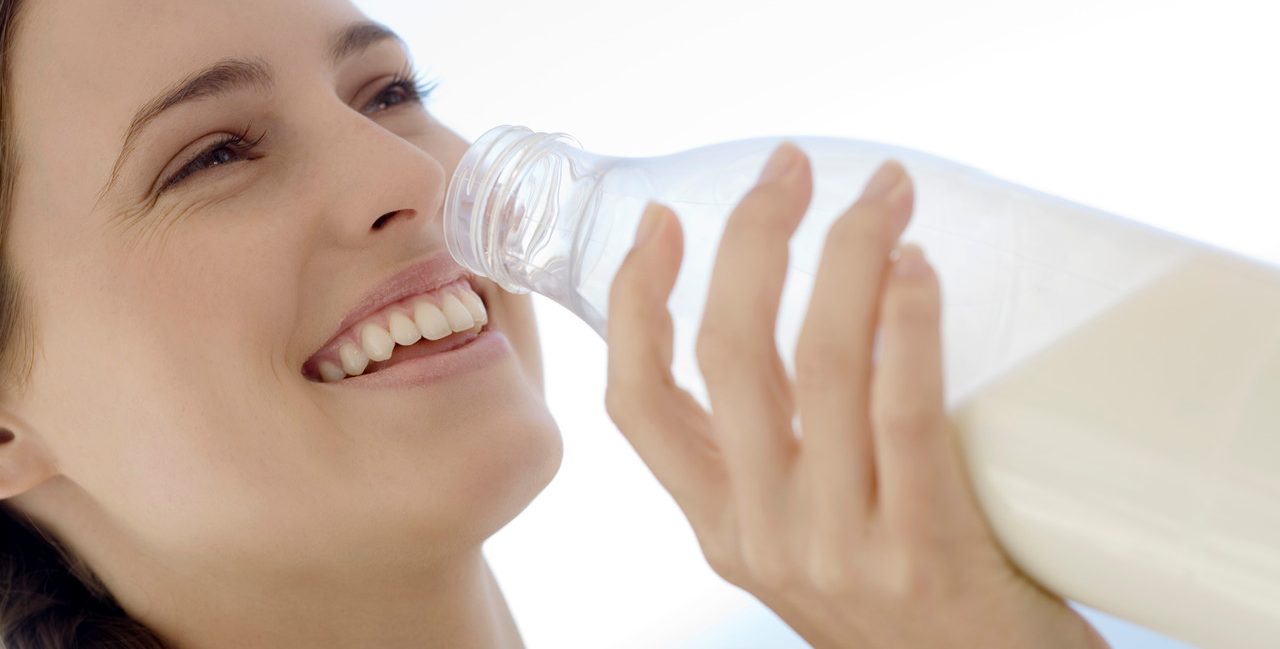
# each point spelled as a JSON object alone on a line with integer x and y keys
{"x": 861, "y": 531}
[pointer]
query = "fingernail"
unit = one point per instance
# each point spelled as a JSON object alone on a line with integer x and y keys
{"x": 911, "y": 262}
{"x": 884, "y": 181}
{"x": 779, "y": 164}
{"x": 648, "y": 223}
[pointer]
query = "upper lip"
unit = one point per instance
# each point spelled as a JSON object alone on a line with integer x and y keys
{"x": 421, "y": 277}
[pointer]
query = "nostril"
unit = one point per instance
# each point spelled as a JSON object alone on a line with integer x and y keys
{"x": 382, "y": 220}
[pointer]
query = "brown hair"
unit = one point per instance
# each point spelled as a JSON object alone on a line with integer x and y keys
{"x": 48, "y": 598}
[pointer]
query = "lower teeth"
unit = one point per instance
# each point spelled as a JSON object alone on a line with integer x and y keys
{"x": 450, "y": 343}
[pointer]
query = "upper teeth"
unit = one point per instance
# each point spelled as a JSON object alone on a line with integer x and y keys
{"x": 405, "y": 323}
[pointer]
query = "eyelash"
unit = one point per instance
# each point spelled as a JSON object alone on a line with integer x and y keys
{"x": 413, "y": 86}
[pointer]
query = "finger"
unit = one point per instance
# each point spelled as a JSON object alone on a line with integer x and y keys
{"x": 666, "y": 426}
{"x": 833, "y": 352}
{"x": 747, "y": 385}
{"x": 915, "y": 457}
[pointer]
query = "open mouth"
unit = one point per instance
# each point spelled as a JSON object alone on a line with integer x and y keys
{"x": 435, "y": 322}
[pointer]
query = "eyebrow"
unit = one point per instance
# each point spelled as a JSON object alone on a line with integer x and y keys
{"x": 359, "y": 37}
{"x": 231, "y": 75}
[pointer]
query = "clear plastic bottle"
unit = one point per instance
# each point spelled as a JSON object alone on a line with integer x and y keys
{"x": 1115, "y": 388}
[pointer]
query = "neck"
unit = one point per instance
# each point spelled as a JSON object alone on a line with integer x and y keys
{"x": 458, "y": 605}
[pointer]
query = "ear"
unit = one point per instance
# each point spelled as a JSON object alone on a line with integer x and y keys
{"x": 25, "y": 460}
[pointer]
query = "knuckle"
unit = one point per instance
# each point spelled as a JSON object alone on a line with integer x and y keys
{"x": 614, "y": 405}
{"x": 769, "y": 197}
{"x": 758, "y": 222}
{"x": 768, "y": 565}
{"x": 723, "y": 559}
{"x": 625, "y": 293}
{"x": 914, "y": 581}
{"x": 621, "y": 401}
{"x": 905, "y": 419}
{"x": 716, "y": 348}
{"x": 831, "y": 574}
{"x": 914, "y": 306}
{"x": 766, "y": 215}
{"x": 625, "y": 276}
{"x": 863, "y": 227}
{"x": 819, "y": 359}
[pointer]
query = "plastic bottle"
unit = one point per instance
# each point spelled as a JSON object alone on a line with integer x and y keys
{"x": 1115, "y": 388}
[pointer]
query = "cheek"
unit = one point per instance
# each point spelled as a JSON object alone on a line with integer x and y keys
{"x": 181, "y": 456}
{"x": 520, "y": 326}
{"x": 218, "y": 289}
{"x": 158, "y": 380}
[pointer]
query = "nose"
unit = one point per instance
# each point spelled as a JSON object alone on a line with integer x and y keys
{"x": 376, "y": 184}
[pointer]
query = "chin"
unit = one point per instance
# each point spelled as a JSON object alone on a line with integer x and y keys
{"x": 489, "y": 477}
{"x": 516, "y": 473}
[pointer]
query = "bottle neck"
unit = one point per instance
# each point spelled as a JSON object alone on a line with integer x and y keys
{"x": 505, "y": 202}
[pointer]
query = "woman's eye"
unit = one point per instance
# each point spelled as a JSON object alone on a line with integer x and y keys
{"x": 229, "y": 150}
{"x": 406, "y": 88}
{"x": 391, "y": 97}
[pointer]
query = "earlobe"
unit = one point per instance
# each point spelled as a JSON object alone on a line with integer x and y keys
{"x": 25, "y": 461}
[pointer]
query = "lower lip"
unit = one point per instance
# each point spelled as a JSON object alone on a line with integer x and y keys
{"x": 485, "y": 349}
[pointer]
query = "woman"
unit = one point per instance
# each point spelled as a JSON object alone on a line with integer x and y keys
{"x": 207, "y": 445}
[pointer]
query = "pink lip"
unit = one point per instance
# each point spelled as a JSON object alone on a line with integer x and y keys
{"x": 421, "y": 277}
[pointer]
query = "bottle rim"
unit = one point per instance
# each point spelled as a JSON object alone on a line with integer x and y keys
{"x": 486, "y": 177}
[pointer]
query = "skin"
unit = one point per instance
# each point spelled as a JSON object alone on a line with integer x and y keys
{"x": 168, "y": 436}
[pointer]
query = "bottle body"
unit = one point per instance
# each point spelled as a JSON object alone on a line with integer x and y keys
{"x": 1025, "y": 276}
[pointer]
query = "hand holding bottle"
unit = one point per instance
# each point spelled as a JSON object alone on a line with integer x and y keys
{"x": 861, "y": 531}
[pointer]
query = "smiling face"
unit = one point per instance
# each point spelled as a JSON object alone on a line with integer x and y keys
{"x": 174, "y": 307}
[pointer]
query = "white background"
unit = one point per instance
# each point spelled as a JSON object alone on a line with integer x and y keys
{"x": 1165, "y": 112}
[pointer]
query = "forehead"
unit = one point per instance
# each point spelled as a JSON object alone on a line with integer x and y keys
{"x": 81, "y": 68}
{"x": 107, "y": 43}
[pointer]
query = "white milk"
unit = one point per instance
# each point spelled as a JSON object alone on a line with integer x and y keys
{"x": 1134, "y": 465}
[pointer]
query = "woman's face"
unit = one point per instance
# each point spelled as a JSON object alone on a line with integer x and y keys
{"x": 175, "y": 305}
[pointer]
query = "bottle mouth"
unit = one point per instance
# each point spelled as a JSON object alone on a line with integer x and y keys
{"x": 489, "y": 207}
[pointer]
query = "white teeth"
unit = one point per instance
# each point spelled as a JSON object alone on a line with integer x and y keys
{"x": 354, "y": 361}
{"x": 431, "y": 321}
{"x": 457, "y": 314}
{"x": 475, "y": 306}
{"x": 331, "y": 373}
{"x": 403, "y": 330}
{"x": 377, "y": 342}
